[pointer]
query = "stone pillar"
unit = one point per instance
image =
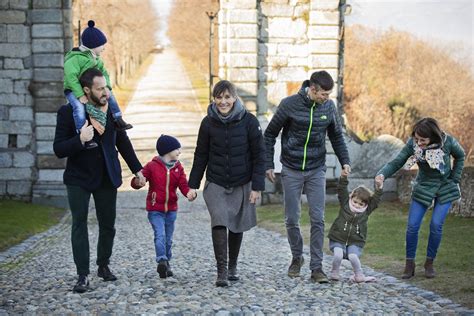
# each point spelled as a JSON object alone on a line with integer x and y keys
{"x": 17, "y": 148}
{"x": 238, "y": 47}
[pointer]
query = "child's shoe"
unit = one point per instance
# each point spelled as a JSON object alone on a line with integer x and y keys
{"x": 334, "y": 276}
{"x": 121, "y": 125}
{"x": 162, "y": 269}
{"x": 359, "y": 277}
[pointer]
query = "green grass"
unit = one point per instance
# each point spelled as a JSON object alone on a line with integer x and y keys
{"x": 20, "y": 220}
{"x": 385, "y": 247}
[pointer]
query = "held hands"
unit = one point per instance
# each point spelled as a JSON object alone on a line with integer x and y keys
{"x": 87, "y": 132}
{"x": 83, "y": 99}
{"x": 379, "y": 181}
{"x": 346, "y": 170}
{"x": 254, "y": 195}
{"x": 192, "y": 195}
{"x": 270, "y": 173}
{"x": 141, "y": 179}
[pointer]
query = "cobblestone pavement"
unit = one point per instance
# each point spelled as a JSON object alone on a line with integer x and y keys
{"x": 36, "y": 277}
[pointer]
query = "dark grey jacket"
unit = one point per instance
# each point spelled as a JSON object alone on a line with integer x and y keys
{"x": 305, "y": 125}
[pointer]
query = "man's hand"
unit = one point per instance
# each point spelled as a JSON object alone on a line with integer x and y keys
{"x": 379, "y": 181}
{"x": 83, "y": 99}
{"x": 141, "y": 178}
{"x": 270, "y": 173}
{"x": 191, "y": 195}
{"x": 87, "y": 132}
{"x": 254, "y": 195}
{"x": 346, "y": 170}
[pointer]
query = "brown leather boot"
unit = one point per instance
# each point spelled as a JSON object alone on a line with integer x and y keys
{"x": 429, "y": 270}
{"x": 409, "y": 271}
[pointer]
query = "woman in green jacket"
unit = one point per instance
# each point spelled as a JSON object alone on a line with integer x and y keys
{"x": 431, "y": 149}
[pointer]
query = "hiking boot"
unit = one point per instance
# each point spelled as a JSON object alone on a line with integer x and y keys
{"x": 319, "y": 276}
{"x": 90, "y": 144}
{"x": 162, "y": 269}
{"x": 82, "y": 284}
{"x": 429, "y": 270}
{"x": 295, "y": 267}
{"x": 121, "y": 125}
{"x": 169, "y": 273}
{"x": 105, "y": 273}
{"x": 409, "y": 271}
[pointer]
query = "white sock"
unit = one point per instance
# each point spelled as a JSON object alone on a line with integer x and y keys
{"x": 336, "y": 261}
{"x": 354, "y": 259}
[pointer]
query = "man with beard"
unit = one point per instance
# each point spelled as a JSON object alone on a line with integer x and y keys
{"x": 94, "y": 171}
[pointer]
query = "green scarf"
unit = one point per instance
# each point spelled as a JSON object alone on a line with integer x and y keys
{"x": 97, "y": 114}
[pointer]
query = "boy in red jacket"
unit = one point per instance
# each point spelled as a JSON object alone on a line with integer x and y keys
{"x": 165, "y": 174}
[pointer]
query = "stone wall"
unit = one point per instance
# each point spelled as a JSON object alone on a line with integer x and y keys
{"x": 33, "y": 38}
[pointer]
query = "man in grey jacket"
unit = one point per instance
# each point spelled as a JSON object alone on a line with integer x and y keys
{"x": 305, "y": 119}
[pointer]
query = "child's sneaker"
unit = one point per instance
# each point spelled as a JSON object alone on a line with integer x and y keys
{"x": 121, "y": 125}
{"x": 162, "y": 269}
{"x": 334, "y": 276}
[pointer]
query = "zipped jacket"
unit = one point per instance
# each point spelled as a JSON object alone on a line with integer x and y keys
{"x": 305, "y": 125}
{"x": 350, "y": 228}
{"x": 163, "y": 183}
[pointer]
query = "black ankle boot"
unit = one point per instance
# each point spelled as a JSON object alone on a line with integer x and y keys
{"x": 162, "y": 269}
{"x": 121, "y": 125}
{"x": 105, "y": 273}
{"x": 219, "y": 241}
{"x": 235, "y": 240}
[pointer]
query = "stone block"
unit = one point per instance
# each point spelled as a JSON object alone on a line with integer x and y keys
{"x": 242, "y": 16}
{"x": 6, "y": 160}
{"x": 51, "y": 175}
{"x": 47, "y": 89}
{"x": 24, "y": 141}
{"x": 15, "y": 173}
{"x": 16, "y": 74}
{"x": 287, "y": 74}
{"x": 4, "y": 112}
{"x": 4, "y": 4}
{"x": 6, "y": 86}
{"x": 29, "y": 101}
{"x": 241, "y": 4}
{"x": 45, "y": 119}
{"x": 286, "y": 28}
{"x": 23, "y": 159}
{"x": 242, "y": 31}
{"x": 12, "y": 99}
{"x": 49, "y": 104}
{"x": 21, "y": 114}
{"x": 48, "y": 60}
{"x": 28, "y": 62}
{"x": 292, "y": 50}
{"x": 324, "y": 46}
{"x": 3, "y": 140}
{"x": 47, "y": 31}
{"x": 242, "y": 74}
{"x": 19, "y": 4}
{"x": 47, "y": 75}
{"x": 12, "y": 17}
{"x": 15, "y": 50}
{"x": 242, "y": 46}
{"x": 45, "y": 133}
{"x": 13, "y": 63}
{"x": 18, "y": 34}
{"x": 16, "y": 127}
{"x": 271, "y": 9}
{"x": 298, "y": 62}
{"x": 67, "y": 4}
{"x": 324, "y": 61}
{"x": 247, "y": 89}
{"x": 3, "y": 33}
{"x": 323, "y": 32}
{"x": 19, "y": 187}
{"x": 324, "y": 18}
{"x": 50, "y": 162}
{"x": 47, "y": 4}
{"x": 267, "y": 49}
{"x": 46, "y": 16}
{"x": 21, "y": 86}
{"x": 45, "y": 147}
{"x": 48, "y": 46}
{"x": 241, "y": 60}
{"x": 324, "y": 4}
{"x": 3, "y": 188}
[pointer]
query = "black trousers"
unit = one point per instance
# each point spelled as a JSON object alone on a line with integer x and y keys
{"x": 105, "y": 198}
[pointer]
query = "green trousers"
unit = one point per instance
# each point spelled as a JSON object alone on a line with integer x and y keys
{"x": 105, "y": 198}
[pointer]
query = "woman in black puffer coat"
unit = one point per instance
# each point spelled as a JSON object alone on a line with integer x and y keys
{"x": 230, "y": 144}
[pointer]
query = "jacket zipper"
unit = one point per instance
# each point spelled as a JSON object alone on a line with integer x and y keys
{"x": 308, "y": 135}
{"x": 350, "y": 228}
{"x": 167, "y": 189}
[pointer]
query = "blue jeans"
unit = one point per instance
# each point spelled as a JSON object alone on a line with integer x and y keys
{"x": 416, "y": 213}
{"x": 163, "y": 228}
{"x": 79, "y": 111}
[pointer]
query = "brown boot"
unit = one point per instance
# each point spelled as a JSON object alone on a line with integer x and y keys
{"x": 219, "y": 241}
{"x": 409, "y": 269}
{"x": 429, "y": 270}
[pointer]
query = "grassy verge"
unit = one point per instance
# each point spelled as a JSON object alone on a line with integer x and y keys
{"x": 385, "y": 247}
{"x": 20, "y": 220}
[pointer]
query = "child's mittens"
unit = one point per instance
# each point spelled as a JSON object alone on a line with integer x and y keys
{"x": 135, "y": 183}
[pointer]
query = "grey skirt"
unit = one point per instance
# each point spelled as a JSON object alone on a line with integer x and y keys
{"x": 230, "y": 207}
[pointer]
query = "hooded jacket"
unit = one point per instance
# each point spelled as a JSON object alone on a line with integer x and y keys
{"x": 163, "y": 183}
{"x": 305, "y": 125}
{"x": 76, "y": 62}
{"x": 231, "y": 151}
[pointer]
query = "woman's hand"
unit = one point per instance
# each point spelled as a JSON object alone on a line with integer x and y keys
{"x": 191, "y": 196}
{"x": 379, "y": 179}
{"x": 254, "y": 195}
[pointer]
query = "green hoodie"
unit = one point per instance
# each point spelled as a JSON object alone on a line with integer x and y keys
{"x": 75, "y": 64}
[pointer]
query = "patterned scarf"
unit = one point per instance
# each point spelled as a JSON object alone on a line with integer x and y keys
{"x": 356, "y": 209}
{"x": 97, "y": 114}
{"x": 433, "y": 155}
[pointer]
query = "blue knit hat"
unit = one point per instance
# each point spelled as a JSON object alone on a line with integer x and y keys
{"x": 92, "y": 37}
{"x": 166, "y": 144}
